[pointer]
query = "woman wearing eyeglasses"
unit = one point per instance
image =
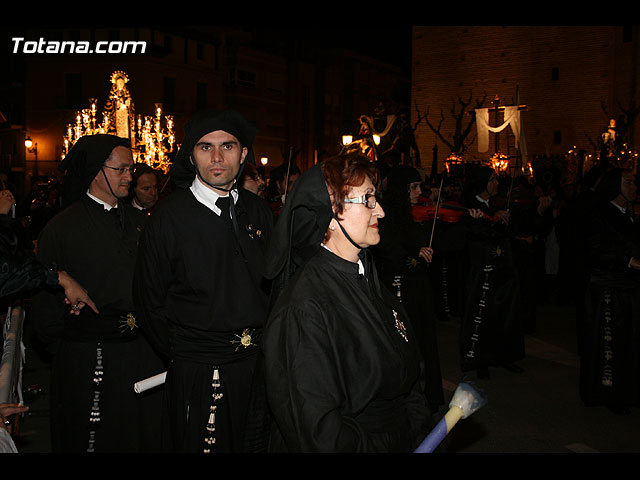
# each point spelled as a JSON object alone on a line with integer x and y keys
{"x": 342, "y": 362}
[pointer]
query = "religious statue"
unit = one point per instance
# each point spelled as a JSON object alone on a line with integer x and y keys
{"x": 610, "y": 140}
{"x": 119, "y": 107}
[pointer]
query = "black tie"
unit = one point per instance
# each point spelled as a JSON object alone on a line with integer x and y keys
{"x": 223, "y": 204}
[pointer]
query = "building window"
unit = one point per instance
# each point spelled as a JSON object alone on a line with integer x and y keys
{"x": 627, "y": 34}
{"x": 200, "y": 51}
{"x": 242, "y": 78}
{"x": 555, "y": 73}
{"x": 557, "y": 137}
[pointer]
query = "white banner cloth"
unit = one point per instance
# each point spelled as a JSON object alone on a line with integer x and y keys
{"x": 511, "y": 117}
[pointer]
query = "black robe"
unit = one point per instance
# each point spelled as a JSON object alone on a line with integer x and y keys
{"x": 97, "y": 249}
{"x": 610, "y": 330}
{"x": 340, "y": 376}
{"x": 402, "y": 271}
{"x": 491, "y": 329}
{"x": 197, "y": 288}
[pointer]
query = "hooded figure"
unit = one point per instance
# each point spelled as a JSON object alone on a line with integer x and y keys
{"x": 341, "y": 360}
{"x": 84, "y": 161}
{"x": 609, "y": 333}
{"x": 301, "y": 227}
{"x": 491, "y": 330}
{"x": 94, "y": 239}
{"x": 405, "y": 265}
{"x": 201, "y": 293}
{"x": 477, "y": 178}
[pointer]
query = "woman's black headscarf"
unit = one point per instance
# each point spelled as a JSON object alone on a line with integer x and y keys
{"x": 300, "y": 227}
{"x": 396, "y": 193}
{"x": 400, "y": 176}
{"x": 84, "y": 161}
{"x": 182, "y": 170}
{"x": 476, "y": 180}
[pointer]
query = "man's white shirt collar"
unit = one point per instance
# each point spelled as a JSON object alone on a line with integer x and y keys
{"x": 135, "y": 203}
{"x": 101, "y": 202}
{"x": 207, "y": 196}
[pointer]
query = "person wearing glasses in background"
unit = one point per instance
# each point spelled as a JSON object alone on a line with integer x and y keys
{"x": 97, "y": 358}
{"x": 342, "y": 361}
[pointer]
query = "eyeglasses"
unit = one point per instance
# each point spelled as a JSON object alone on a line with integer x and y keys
{"x": 122, "y": 170}
{"x": 368, "y": 200}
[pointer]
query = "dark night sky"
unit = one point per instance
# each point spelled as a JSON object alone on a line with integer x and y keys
{"x": 391, "y": 43}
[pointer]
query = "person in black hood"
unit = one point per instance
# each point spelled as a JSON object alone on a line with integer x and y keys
{"x": 404, "y": 257}
{"x": 609, "y": 333}
{"x": 97, "y": 356}
{"x": 201, "y": 294}
{"x": 491, "y": 329}
{"x": 342, "y": 360}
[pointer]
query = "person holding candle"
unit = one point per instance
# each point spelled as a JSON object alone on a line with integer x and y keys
{"x": 342, "y": 360}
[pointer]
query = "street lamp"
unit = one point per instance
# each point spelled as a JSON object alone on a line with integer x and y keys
{"x": 32, "y": 148}
{"x": 264, "y": 161}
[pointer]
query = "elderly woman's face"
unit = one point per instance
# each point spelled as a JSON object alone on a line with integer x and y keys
{"x": 360, "y": 221}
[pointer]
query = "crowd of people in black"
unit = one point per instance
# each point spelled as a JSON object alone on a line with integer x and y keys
{"x": 301, "y": 315}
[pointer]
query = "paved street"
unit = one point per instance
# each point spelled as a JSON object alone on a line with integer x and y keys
{"x": 538, "y": 411}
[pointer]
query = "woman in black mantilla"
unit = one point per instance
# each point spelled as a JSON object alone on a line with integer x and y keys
{"x": 403, "y": 257}
{"x": 491, "y": 332}
{"x": 610, "y": 358}
{"x": 342, "y": 362}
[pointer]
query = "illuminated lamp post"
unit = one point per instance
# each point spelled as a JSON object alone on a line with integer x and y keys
{"x": 32, "y": 148}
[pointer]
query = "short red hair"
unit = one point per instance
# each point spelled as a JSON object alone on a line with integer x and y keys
{"x": 344, "y": 172}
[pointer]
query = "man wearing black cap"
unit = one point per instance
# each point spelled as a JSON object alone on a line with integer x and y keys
{"x": 97, "y": 357}
{"x": 200, "y": 290}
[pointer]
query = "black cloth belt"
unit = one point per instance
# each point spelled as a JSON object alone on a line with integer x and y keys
{"x": 215, "y": 347}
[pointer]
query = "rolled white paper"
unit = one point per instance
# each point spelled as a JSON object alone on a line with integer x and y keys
{"x": 150, "y": 382}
